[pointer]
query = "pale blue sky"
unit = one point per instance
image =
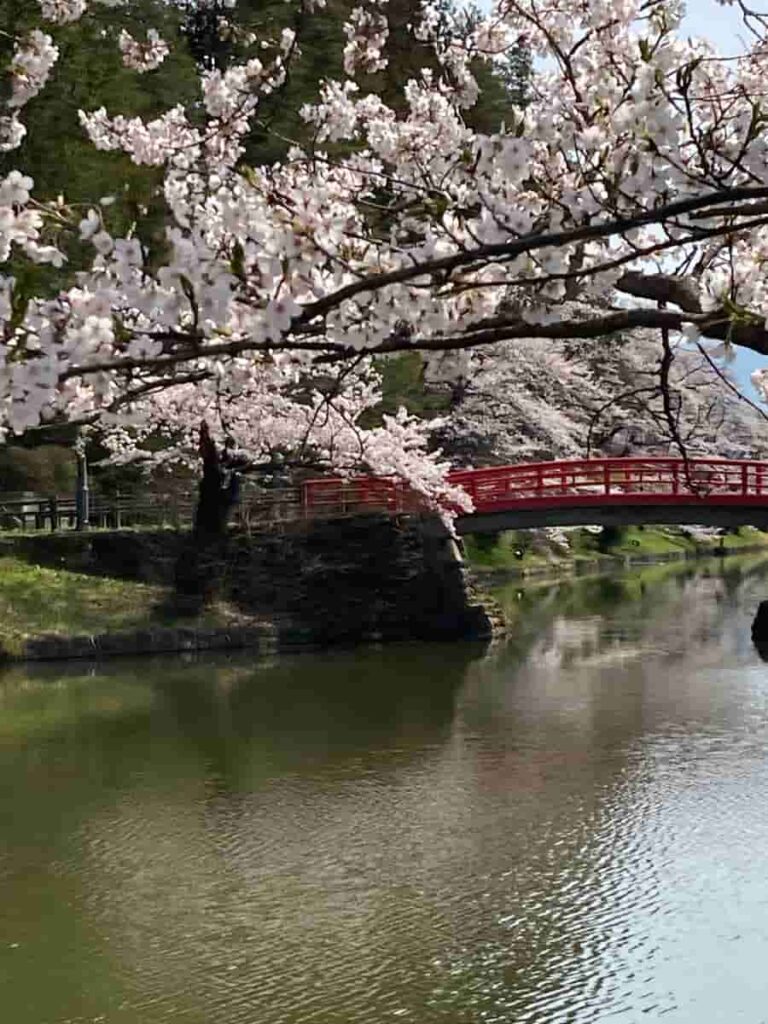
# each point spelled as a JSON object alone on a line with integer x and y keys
{"x": 721, "y": 24}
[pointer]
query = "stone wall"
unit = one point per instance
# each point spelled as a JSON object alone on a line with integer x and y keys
{"x": 340, "y": 581}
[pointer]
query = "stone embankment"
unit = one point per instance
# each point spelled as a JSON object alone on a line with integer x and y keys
{"x": 362, "y": 579}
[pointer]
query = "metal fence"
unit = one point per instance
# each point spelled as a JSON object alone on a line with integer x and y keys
{"x": 257, "y": 509}
{"x": 64, "y": 513}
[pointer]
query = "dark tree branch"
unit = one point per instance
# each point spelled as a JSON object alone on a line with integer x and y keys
{"x": 680, "y": 291}
{"x": 532, "y": 243}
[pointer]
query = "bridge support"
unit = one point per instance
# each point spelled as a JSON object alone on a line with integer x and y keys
{"x": 458, "y": 607}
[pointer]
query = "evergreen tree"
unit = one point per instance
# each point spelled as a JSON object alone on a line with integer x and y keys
{"x": 217, "y": 36}
{"x": 60, "y": 159}
{"x": 89, "y": 74}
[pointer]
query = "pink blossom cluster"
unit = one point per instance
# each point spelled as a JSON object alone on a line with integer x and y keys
{"x": 632, "y": 192}
{"x": 367, "y": 31}
{"x": 60, "y": 12}
{"x": 33, "y": 60}
{"x": 143, "y": 56}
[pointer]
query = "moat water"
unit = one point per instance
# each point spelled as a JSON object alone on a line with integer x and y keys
{"x": 570, "y": 827}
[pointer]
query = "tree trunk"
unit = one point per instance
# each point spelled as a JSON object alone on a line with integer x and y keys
{"x": 215, "y": 497}
{"x": 200, "y": 568}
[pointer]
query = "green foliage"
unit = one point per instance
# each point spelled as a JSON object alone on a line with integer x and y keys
{"x": 59, "y": 157}
{"x": 516, "y": 73}
{"x": 56, "y": 152}
{"x": 403, "y": 385}
{"x": 322, "y": 40}
{"x": 509, "y": 549}
{"x": 610, "y": 537}
{"x": 48, "y": 469}
{"x": 522, "y": 551}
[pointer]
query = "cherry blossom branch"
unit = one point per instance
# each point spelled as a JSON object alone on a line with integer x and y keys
{"x": 532, "y": 243}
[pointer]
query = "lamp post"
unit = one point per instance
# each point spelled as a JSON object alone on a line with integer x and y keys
{"x": 82, "y": 496}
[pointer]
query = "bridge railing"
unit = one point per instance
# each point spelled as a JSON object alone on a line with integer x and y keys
{"x": 570, "y": 481}
{"x": 332, "y": 496}
{"x": 616, "y": 480}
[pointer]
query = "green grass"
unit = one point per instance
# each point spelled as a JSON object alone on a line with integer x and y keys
{"x": 36, "y": 601}
{"x": 497, "y": 550}
{"x": 648, "y": 541}
{"x": 637, "y": 541}
{"x": 523, "y": 551}
{"x": 745, "y": 536}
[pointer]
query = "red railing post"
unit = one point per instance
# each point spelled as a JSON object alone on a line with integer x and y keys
{"x": 606, "y": 479}
{"x": 744, "y": 481}
{"x": 469, "y": 487}
{"x": 675, "y": 478}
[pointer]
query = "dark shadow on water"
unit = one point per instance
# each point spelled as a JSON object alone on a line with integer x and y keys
{"x": 307, "y": 708}
{"x": 228, "y": 713}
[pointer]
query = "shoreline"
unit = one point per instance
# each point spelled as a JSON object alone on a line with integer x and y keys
{"x": 567, "y": 569}
{"x": 268, "y": 634}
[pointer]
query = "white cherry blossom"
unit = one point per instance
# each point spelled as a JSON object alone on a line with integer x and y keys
{"x": 143, "y": 56}
{"x": 630, "y": 193}
{"x": 61, "y": 12}
{"x": 33, "y": 60}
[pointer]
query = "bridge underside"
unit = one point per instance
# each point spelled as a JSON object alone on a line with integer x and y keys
{"x": 694, "y": 514}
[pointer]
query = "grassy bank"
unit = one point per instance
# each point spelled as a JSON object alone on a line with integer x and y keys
{"x": 37, "y": 601}
{"x": 528, "y": 552}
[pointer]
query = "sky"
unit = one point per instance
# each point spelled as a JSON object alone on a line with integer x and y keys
{"x": 721, "y": 24}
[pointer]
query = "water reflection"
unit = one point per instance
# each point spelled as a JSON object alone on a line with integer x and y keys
{"x": 564, "y": 828}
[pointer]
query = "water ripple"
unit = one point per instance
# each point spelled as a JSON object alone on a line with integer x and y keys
{"x": 561, "y": 833}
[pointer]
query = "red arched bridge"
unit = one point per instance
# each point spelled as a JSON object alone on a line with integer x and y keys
{"x": 573, "y": 492}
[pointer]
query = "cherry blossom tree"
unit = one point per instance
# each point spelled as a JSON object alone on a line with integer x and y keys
{"x": 630, "y": 193}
